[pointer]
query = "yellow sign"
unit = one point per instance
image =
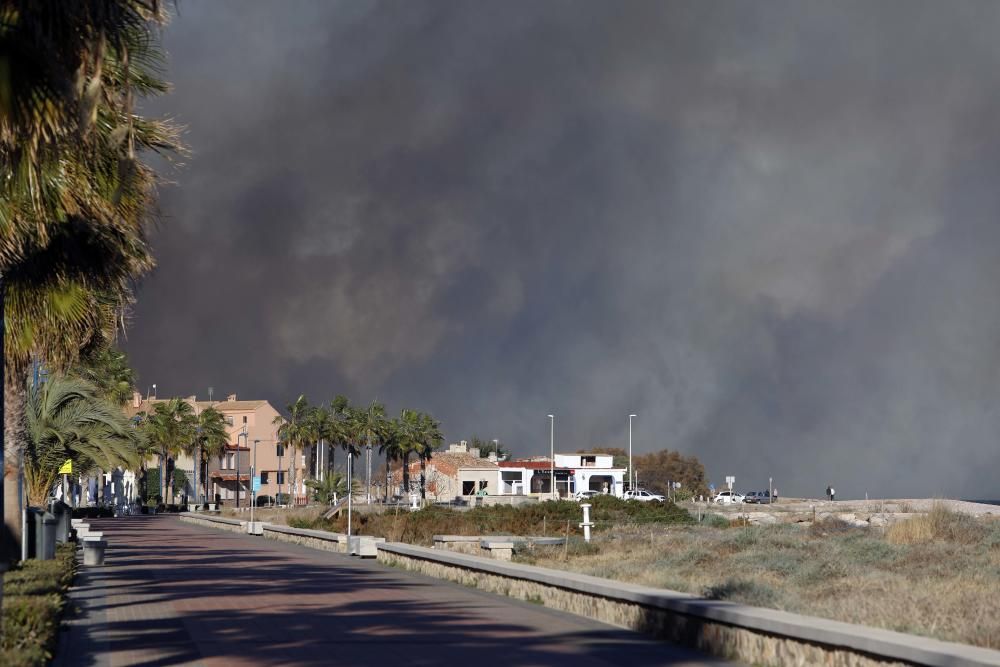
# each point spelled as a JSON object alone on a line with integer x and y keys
{"x": 67, "y": 468}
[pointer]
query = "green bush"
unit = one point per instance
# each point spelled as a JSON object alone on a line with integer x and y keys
{"x": 33, "y": 600}
{"x": 28, "y": 656}
{"x": 30, "y": 621}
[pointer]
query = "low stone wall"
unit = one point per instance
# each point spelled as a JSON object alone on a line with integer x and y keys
{"x": 231, "y": 525}
{"x": 748, "y": 634}
{"x": 317, "y": 539}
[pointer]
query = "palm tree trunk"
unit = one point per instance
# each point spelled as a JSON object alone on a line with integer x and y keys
{"x": 423, "y": 476}
{"x": 406, "y": 474}
{"x": 14, "y": 436}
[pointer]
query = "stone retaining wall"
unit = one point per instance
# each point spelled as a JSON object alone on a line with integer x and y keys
{"x": 747, "y": 634}
{"x": 317, "y": 539}
{"x": 231, "y": 525}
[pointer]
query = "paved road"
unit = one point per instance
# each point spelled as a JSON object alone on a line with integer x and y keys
{"x": 172, "y": 593}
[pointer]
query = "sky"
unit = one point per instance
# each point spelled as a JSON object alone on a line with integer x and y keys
{"x": 770, "y": 230}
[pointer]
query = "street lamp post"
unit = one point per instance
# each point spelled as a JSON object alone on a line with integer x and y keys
{"x": 253, "y": 476}
{"x": 631, "y": 481}
{"x": 350, "y": 482}
{"x": 241, "y": 435}
{"x": 552, "y": 456}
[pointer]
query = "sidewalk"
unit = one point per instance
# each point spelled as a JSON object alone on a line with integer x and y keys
{"x": 177, "y": 594}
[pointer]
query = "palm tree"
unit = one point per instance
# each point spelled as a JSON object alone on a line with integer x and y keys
{"x": 330, "y": 488}
{"x": 67, "y": 418}
{"x": 74, "y": 199}
{"x": 429, "y": 438}
{"x": 369, "y": 425}
{"x": 391, "y": 447}
{"x": 210, "y": 440}
{"x": 339, "y": 435}
{"x": 108, "y": 369}
{"x": 170, "y": 430}
{"x": 295, "y": 432}
{"x": 410, "y": 425}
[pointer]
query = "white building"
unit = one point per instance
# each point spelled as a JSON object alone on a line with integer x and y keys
{"x": 573, "y": 473}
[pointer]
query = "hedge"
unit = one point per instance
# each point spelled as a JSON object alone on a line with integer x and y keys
{"x": 34, "y": 595}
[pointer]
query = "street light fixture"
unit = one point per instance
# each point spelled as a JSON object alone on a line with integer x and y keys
{"x": 631, "y": 480}
{"x": 552, "y": 456}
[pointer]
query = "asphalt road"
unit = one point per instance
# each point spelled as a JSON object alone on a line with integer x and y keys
{"x": 172, "y": 593}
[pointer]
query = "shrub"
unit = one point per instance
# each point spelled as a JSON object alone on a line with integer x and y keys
{"x": 940, "y": 524}
{"x": 831, "y": 526}
{"x": 32, "y": 603}
{"x": 30, "y": 621}
{"x": 743, "y": 591}
{"x": 715, "y": 521}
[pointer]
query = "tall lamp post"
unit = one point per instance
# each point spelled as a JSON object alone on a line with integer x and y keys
{"x": 552, "y": 456}
{"x": 253, "y": 479}
{"x": 631, "y": 481}
{"x": 241, "y": 435}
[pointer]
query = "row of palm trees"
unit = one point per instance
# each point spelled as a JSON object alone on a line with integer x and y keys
{"x": 173, "y": 428}
{"x": 76, "y": 199}
{"x": 323, "y": 429}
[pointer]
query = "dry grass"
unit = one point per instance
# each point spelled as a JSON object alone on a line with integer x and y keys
{"x": 939, "y": 576}
{"x": 940, "y": 524}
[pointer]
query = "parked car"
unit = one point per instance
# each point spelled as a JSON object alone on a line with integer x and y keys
{"x": 585, "y": 495}
{"x": 758, "y": 497}
{"x": 728, "y": 498}
{"x": 642, "y": 495}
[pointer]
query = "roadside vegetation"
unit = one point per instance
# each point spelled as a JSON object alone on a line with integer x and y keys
{"x": 552, "y": 518}
{"x": 34, "y": 595}
{"x": 936, "y": 575}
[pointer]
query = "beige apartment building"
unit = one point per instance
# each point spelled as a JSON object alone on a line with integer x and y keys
{"x": 252, "y": 433}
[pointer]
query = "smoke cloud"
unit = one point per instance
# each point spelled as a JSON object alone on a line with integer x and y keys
{"x": 769, "y": 229}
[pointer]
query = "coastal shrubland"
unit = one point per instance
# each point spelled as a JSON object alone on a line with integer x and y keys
{"x": 935, "y": 574}
{"x": 551, "y": 518}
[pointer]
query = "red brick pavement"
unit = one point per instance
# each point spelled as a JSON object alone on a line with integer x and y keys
{"x": 172, "y": 593}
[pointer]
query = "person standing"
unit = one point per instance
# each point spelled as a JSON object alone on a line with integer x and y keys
{"x": 829, "y": 492}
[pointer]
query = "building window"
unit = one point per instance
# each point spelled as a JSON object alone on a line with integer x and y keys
{"x": 244, "y": 419}
{"x": 281, "y": 450}
{"x": 229, "y": 420}
{"x": 263, "y": 478}
{"x": 281, "y": 476}
{"x": 230, "y": 461}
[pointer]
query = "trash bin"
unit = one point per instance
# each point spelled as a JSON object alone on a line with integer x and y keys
{"x": 41, "y": 534}
{"x": 64, "y": 515}
{"x": 32, "y": 529}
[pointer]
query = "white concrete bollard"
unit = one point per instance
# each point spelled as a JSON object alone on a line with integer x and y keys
{"x": 586, "y": 521}
{"x": 93, "y": 551}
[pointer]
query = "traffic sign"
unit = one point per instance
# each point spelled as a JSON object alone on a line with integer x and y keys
{"x": 67, "y": 467}
{"x": 256, "y": 483}
{"x": 730, "y": 480}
